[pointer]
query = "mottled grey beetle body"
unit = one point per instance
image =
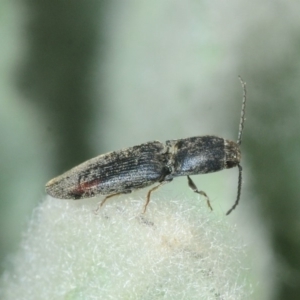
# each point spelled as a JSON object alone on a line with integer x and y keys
{"x": 137, "y": 167}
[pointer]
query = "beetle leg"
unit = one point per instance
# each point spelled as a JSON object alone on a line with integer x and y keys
{"x": 193, "y": 186}
{"x": 101, "y": 203}
{"x": 150, "y": 191}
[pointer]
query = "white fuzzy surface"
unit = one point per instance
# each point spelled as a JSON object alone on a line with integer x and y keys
{"x": 177, "y": 250}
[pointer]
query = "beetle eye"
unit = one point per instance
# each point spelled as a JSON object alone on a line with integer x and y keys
{"x": 231, "y": 164}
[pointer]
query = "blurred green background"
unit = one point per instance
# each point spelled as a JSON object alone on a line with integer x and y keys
{"x": 81, "y": 78}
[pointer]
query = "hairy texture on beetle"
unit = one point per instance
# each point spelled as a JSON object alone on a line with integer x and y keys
{"x": 114, "y": 172}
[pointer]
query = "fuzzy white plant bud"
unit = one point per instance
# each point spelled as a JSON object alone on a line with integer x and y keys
{"x": 178, "y": 249}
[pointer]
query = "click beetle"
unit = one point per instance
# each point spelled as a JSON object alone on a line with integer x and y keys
{"x": 123, "y": 171}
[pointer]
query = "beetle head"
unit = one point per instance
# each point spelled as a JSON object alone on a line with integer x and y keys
{"x": 232, "y": 154}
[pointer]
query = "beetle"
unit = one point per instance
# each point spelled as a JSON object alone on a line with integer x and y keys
{"x": 123, "y": 171}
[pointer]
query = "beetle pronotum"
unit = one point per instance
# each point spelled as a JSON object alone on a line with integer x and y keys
{"x": 121, "y": 172}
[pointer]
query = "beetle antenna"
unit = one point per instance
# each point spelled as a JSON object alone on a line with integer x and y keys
{"x": 243, "y": 111}
{"x": 238, "y": 191}
{"x": 239, "y": 141}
